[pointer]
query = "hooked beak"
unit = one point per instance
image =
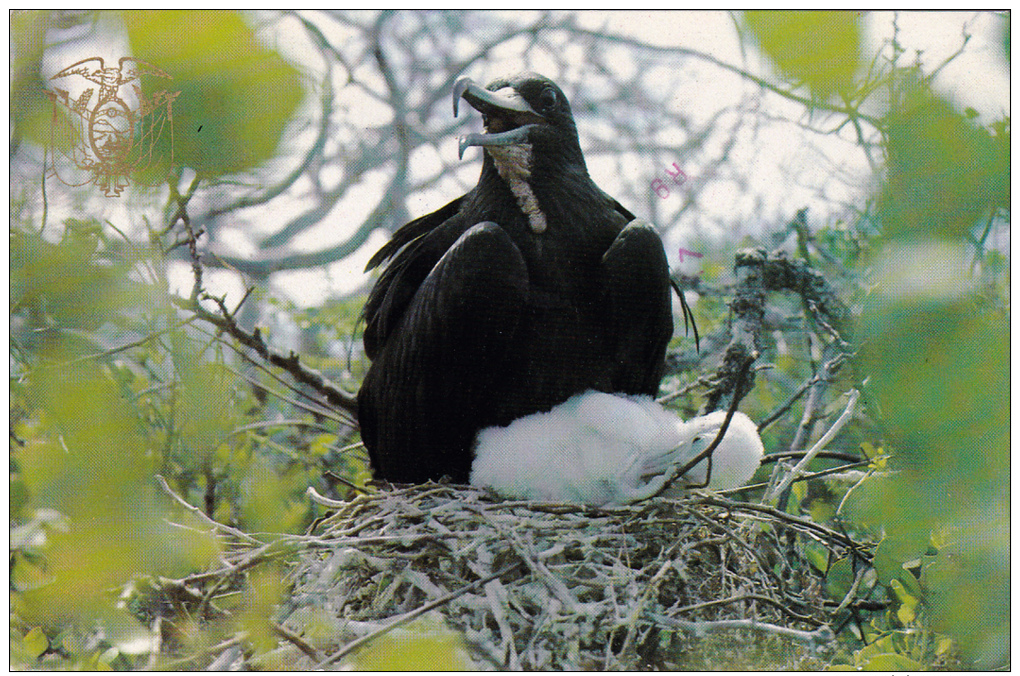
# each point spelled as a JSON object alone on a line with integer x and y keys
{"x": 507, "y": 116}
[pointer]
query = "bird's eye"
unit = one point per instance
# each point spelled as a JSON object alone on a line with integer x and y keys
{"x": 547, "y": 99}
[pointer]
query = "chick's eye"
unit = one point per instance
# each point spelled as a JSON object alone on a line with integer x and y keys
{"x": 547, "y": 99}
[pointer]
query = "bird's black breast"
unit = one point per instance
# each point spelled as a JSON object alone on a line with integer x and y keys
{"x": 582, "y": 222}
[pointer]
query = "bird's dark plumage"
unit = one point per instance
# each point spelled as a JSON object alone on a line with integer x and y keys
{"x": 531, "y": 288}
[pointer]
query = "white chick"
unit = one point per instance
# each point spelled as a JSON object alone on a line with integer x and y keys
{"x": 597, "y": 449}
{"x": 734, "y": 460}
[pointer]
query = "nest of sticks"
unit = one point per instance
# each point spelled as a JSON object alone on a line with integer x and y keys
{"x": 701, "y": 582}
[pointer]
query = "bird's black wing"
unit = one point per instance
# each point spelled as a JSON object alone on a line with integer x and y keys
{"x": 622, "y": 210}
{"x": 411, "y": 231}
{"x": 427, "y": 393}
{"x": 639, "y": 316}
{"x": 684, "y": 307}
{"x": 414, "y": 249}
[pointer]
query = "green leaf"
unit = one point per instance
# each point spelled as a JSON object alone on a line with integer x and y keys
{"x": 840, "y": 579}
{"x": 416, "y": 650}
{"x": 320, "y": 445}
{"x": 35, "y": 642}
{"x": 821, "y": 511}
{"x": 817, "y": 555}
{"x": 269, "y": 499}
{"x": 105, "y": 660}
{"x": 66, "y": 280}
{"x": 908, "y": 603}
{"x": 17, "y": 497}
{"x": 236, "y": 96}
{"x": 31, "y": 110}
{"x": 895, "y": 549}
{"x": 820, "y": 48}
{"x": 892, "y": 662}
{"x": 878, "y": 646}
{"x": 943, "y": 171}
{"x": 970, "y": 589}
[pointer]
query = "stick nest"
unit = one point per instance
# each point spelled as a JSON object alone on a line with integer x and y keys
{"x": 701, "y": 582}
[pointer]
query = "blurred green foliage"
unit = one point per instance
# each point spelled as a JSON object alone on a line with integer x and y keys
{"x": 110, "y": 385}
{"x": 235, "y": 99}
{"x": 109, "y": 388}
{"x": 88, "y": 517}
{"x": 933, "y": 340}
{"x": 31, "y": 111}
{"x": 88, "y": 460}
{"x": 236, "y": 96}
{"x": 92, "y": 424}
{"x": 420, "y": 646}
{"x": 818, "y": 48}
{"x": 944, "y": 172}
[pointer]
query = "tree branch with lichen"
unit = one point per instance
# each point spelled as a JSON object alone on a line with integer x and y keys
{"x": 759, "y": 273}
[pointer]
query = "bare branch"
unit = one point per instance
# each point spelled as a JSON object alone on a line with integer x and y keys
{"x": 201, "y": 516}
{"x": 819, "y": 445}
{"x": 290, "y": 362}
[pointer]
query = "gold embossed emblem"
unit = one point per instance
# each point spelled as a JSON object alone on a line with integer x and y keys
{"x": 104, "y": 138}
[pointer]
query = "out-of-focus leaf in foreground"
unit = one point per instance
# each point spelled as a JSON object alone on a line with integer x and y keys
{"x": 90, "y": 518}
{"x": 92, "y": 464}
{"x": 236, "y": 95}
{"x": 822, "y": 49}
{"x": 416, "y": 648}
{"x": 938, "y": 364}
{"x": 944, "y": 171}
{"x": 937, "y": 356}
{"x": 30, "y": 108}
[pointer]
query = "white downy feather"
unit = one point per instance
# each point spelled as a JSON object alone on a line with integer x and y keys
{"x": 598, "y": 448}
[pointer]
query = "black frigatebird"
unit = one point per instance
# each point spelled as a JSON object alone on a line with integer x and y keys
{"x": 533, "y": 287}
